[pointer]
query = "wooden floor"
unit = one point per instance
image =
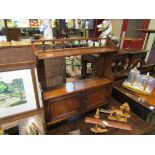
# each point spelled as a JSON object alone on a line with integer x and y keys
{"x": 139, "y": 126}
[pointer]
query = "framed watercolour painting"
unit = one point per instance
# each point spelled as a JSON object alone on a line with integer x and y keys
{"x": 17, "y": 93}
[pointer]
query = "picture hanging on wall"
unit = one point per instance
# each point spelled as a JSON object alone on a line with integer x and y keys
{"x": 17, "y": 93}
{"x": 34, "y": 22}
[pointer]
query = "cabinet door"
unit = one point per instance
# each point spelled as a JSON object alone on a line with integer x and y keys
{"x": 97, "y": 96}
{"x": 63, "y": 107}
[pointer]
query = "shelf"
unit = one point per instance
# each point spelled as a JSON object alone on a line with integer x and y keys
{"x": 146, "y": 30}
{"x": 18, "y": 43}
{"x": 23, "y": 27}
{"x": 73, "y": 52}
{"x": 76, "y": 86}
{"x": 131, "y": 39}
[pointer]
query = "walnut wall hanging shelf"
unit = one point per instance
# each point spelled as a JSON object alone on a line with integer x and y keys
{"x": 73, "y": 98}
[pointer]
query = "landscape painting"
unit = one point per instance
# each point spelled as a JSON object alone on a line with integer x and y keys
{"x": 12, "y": 92}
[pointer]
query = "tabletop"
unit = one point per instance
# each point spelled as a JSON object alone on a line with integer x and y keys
{"x": 148, "y": 101}
{"x": 138, "y": 125}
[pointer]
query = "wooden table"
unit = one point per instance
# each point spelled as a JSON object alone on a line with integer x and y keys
{"x": 139, "y": 126}
{"x": 148, "y": 31}
{"x": 142, "y": 105}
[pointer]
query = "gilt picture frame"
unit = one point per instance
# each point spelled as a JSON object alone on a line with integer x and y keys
{"x": 17, "y": 92}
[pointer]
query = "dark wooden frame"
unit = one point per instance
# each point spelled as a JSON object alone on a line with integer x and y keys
{"x": 19, "y": 62}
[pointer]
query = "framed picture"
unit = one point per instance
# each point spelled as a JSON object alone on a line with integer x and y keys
{"x": 34, "y": 22}
{"x": 17, "y": 93}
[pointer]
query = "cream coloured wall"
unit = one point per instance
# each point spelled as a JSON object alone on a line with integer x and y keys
{"x": 151, "y": 38}
{"x": 117, "y": 27}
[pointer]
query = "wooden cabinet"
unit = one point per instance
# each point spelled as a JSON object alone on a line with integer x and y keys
{"x": 75, "y": 97}
{"x": 76, "y": 103}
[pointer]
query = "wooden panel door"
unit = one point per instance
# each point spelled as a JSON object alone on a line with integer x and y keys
{"x": 97, "y": 96}
{"x": 63, "y": 107}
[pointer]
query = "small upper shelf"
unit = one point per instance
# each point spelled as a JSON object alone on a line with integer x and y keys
{"x": 73, "y": 47}
{"x": 73, "y": 52}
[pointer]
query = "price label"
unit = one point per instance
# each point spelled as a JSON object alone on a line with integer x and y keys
{"x": 151, "y": 107}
